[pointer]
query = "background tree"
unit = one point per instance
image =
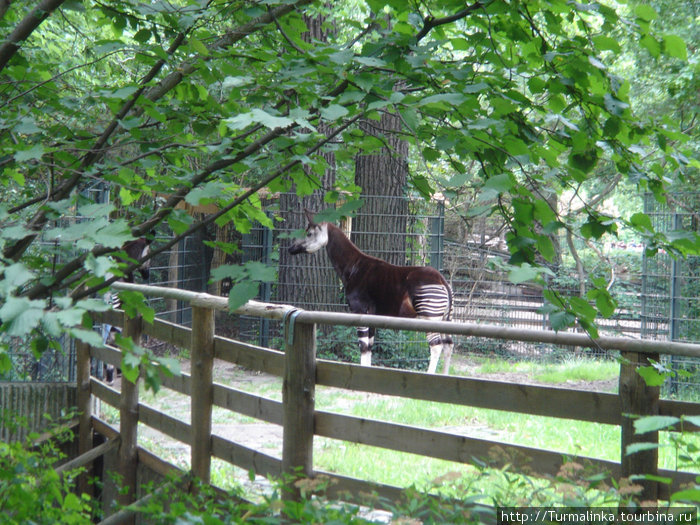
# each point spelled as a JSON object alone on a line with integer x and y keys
{"x": 211, "y": 102}
{"x": 314, "y": 281}
{"x": 383, "y": 177}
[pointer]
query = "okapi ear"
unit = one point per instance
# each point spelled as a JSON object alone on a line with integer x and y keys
{"x": 309, "y": 216}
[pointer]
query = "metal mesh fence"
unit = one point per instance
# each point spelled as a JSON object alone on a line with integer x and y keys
{"x": 421, "y": 242}
{"x": 671, "y": 291}
{"x": 659, "y": 297}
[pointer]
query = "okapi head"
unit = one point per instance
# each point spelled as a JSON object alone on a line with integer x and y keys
{"x": 135, "y": 251}
{"x": 315, "y": 239}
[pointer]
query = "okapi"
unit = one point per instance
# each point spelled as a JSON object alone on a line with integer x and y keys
{"x": 374, "y": 286}
{"x": 135, "y": 251}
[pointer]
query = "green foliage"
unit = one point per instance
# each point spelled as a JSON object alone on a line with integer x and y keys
{"x": 138, "y": 361}
{"x": 206, "y": 103}
{"x": 31, "y": 491}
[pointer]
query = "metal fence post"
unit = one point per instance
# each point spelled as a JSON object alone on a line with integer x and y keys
{"x": 638, "y": 399}
{"x": 129, "y": 422}
{"x": 299, "y": 391}
{"x": 202, "y": 390}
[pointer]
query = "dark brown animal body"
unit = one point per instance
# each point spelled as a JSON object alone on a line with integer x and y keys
{"x": 374, "y": 286}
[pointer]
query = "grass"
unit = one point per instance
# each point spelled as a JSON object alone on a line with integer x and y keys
{"x": 402, "y": 469}
{"x": 570, "y": 370}
{"x": 570, "y": 437}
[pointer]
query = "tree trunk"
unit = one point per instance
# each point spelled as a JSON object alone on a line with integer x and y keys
{"x": 380, "y": 228}
{"x": 308, "y": 281}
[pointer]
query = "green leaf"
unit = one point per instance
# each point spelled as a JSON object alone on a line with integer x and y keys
{"x": 243, "y": 120}
{"x": 640, "y": 447}
{"x": 70, "y": 316}
{"x": 653, "y": 423}
{"x": 651, "y": 376}
{"x": 334, "y": 112}
{"x": 93, "y": 305}
{"x": 114, "y": 234}
{"x": 134, "y": 303}
{"x": 523, "y": 273}
{"x": 198, "y": 46}
{"x": 606, "y": 43}
{"x": 500, "y": 183}
{"x": 451, "y": 99}
{"x": 422, "y": 184}
{"x": 142, "y": 35}
{"x": 584, "y": 160}
{"x": 21, "y": 315}
{"x": 5, "y": 361}
{"x": 98, "y": 266}
{"x": 476, "y": 88}
{"x": 124, "y": 92}
{"x": 241, "y": 293}
{"x": 33, "y": 153}
{"x": 689, "y": 495}
{"x": 206, "y": 193}
{"x": 130, "y": 366}
{"x": 582, "y": 308}
{"x": 642, "y": 222}
{"x": 16, "y": 275}
{"x": 127, "y": 196}
{"x": 27, "y": 126}
{"x": 675, "y": 46}
{"x": 234, "y": 271}
{"x": 259, "y": 271}
{"x": 370, "y": 61}
{"x": 695, "y": 420}
{"x": 87, "y": 336}
{"x": 561, "y": 320}
{"x": 651, "y": 44}
{"x": 39, "y": 346}
{"x": 645, "y": 12}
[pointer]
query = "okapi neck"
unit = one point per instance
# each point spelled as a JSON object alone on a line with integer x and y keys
{"x": 343, "y": 254}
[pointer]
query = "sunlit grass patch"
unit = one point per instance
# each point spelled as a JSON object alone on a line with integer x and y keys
{"x": 571, "y": 370}
{"x": 578, "y": 370}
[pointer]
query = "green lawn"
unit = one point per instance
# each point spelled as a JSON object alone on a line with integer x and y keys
{"x": 568, "y": 437}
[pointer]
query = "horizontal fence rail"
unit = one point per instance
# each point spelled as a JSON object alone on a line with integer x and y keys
{"x": 302, "y": 372}
{"x": 279, "y": 312}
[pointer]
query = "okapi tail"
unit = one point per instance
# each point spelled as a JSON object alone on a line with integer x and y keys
{"x": 448, "y": 315}
{"x": 446, "y": 338}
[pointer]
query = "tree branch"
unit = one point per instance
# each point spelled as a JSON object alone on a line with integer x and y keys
{"x": 429, "y": 23}
{"x": 79, "y": 294}
{"x": 15, "y": 251}
{"x": 25, "y": 28}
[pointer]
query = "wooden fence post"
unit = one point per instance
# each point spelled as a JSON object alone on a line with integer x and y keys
{"x": 202, "y": 390}
{"x": 82, "y": 351}
{"x": 129, "y": 422}
{"x": 638, "y": 399}
{"x": 299, "y": 391}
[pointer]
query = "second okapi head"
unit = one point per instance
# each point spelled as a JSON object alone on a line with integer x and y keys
{"x": 316, "y": 237}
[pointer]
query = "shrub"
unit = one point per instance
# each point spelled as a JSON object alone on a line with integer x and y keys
{"x": 31, "y": 491}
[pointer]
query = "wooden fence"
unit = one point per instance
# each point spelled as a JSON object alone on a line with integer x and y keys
{"x": 27, "y": 407}
{"x": 301, "y": 421}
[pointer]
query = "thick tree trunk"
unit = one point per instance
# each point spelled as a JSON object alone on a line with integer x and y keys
{"x": 380, "y": 227}
{"x": 308, "y": 281}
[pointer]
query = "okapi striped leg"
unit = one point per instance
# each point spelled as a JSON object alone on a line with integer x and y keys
{"x": 435, "y": 343}
{"x": 447, "y": 347}
{"x": 432, "y": 301}
{"x": 365, "y": 337}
